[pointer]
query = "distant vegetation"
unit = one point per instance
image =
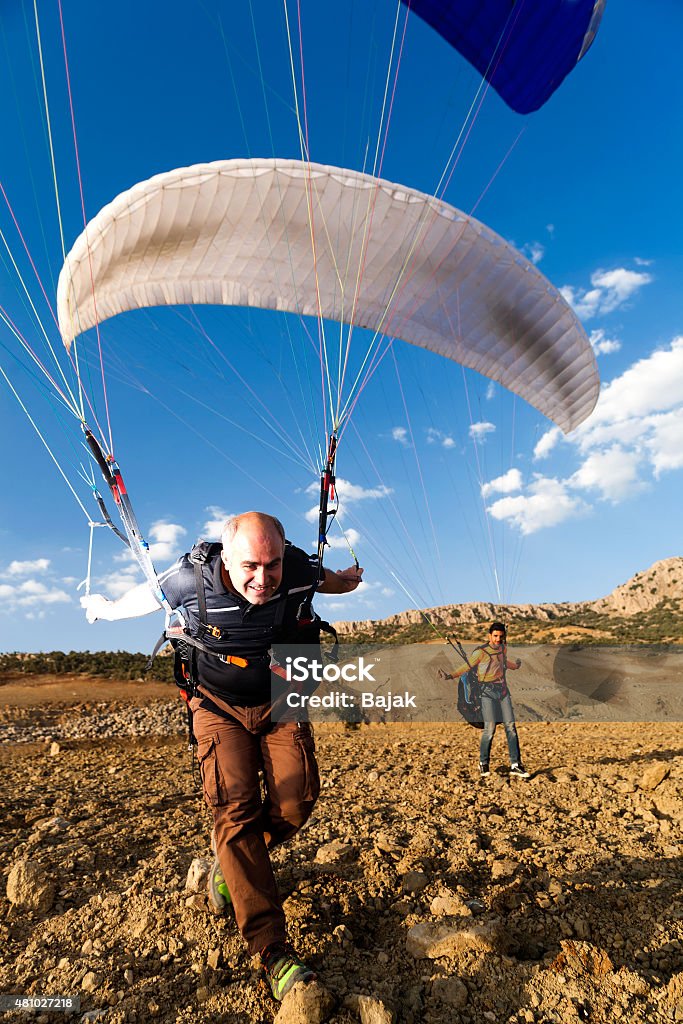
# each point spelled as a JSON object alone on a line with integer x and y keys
{"x": 108, "y": 664}
{"x": 662, "y": 624}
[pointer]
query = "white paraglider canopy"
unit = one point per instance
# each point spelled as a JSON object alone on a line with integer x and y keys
{"x": 334, "y": 243}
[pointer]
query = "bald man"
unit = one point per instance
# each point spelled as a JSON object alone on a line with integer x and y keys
{"x": 238, "y": 599}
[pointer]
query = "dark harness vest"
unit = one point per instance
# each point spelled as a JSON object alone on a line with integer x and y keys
{"x": 239, "y": 634}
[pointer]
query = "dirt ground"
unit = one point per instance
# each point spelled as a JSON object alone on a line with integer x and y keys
{"x": 437, "y": 895}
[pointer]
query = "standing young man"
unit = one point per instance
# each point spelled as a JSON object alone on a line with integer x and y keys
{"x": 491, "y": 662}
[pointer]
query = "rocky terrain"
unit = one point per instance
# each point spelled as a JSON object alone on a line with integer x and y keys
{"x": 647, "y": 608}
{"x": 645, "y": 590}
{"x": 419, "y": 892}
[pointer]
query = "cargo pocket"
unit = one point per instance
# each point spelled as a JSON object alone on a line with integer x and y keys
{"x": 215, "y": 792}
{"x": 303, "y": 737}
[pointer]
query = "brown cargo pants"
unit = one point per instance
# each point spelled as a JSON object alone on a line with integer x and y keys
{"x": 231, "y": 751}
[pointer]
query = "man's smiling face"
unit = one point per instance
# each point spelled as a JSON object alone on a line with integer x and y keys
{"x": 254, "y": 561}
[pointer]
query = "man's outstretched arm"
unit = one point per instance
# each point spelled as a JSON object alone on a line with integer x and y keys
{"x": 138, "y": 601}
{"x": 462, "y": 666}
{"x": 341, "y": 582}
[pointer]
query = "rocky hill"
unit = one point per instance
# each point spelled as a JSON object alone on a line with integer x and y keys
{"x": 642, "y": 593}
{"x": 647, "y": 608}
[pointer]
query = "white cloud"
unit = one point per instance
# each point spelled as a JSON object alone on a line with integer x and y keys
{"x": 354, "y": 492}
{"x": 613, "y": 473}
{"x": 627, "y": 432}
{"x": 533, "y": 251}
{"x": 337, "y": 608}
{"x": 348, "y": 494}
{"x": 665, "y": 443}
{"x": 165, "y": 537}
{"x": 49, "y": 596}
{"x": 116, "y": 584}
{"x": 435, "y": 436}
{"x": 31, "y": 587}
{"x": 478, "y": 431}
{"x": 547, "y": 442}
{"x": 400, "y": 434}
{"x": 360, "y": 604}
{"x": 31, "y": 594}
{"x": 164, "y": 547}
{"x": 505, "y": 484}
{"x": 611, "y": 289}
{"x": 602, "y": 345}
{"x": 634, "y": 434}
{"x": 490, "y": 390}
{"x": 351, "y": 537}
{"x": 26, "y": 568}
{"x": 585, "y": 304}
{"x": 653, "y": 384}
{"x": 547, "y": 503}
{"x": 211, "y": 530}
{"x": 619, "y": 285}
{"x": 124, "y": 555}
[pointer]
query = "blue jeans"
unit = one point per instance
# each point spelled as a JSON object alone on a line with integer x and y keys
{"x": 493, "y": 712}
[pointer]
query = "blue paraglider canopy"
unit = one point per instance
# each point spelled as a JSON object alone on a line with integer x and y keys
{"x": 524, "y": 48}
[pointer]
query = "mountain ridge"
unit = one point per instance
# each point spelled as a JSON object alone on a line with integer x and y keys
{"x": 654, "y": 595}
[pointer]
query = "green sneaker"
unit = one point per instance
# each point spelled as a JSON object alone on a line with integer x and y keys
{"x": 217, "y": 890}
{"x": 283, "y": 969}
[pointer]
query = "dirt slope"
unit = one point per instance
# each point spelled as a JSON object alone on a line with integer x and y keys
{"x": 578, "y": 874}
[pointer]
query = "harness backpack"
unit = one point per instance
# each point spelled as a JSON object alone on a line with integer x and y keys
{"x": 469, "y": 698}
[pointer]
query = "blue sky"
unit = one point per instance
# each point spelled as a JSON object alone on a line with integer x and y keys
{"x": 450, "y": 488}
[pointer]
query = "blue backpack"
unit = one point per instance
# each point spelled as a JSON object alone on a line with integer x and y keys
{"x": 469, "y": 698}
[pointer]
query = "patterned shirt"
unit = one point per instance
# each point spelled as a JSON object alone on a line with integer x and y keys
{"x": 489, "y": 663}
